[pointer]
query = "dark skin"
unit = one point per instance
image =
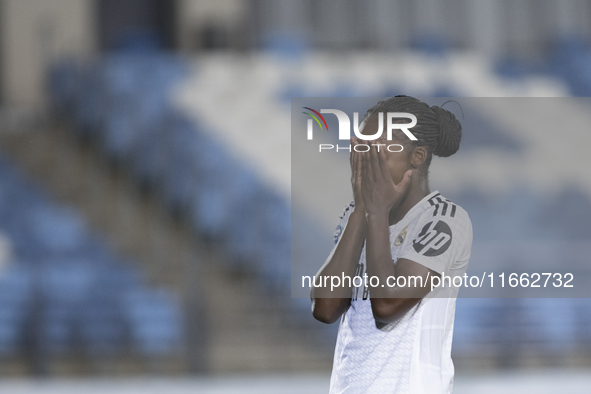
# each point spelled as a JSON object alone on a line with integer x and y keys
{"x": 386, "y": 185}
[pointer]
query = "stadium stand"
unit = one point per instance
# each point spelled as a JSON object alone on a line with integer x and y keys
{"x": 194, "y": 134}
{"x": 65, "y": 278}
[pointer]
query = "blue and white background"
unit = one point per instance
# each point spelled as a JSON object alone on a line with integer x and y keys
{"x": 189, "y": 106}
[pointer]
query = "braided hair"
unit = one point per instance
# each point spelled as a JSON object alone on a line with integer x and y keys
{"x": 437, "y": 128}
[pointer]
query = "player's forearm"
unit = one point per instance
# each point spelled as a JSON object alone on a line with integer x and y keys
{"x": 388, "y": 303}
{"x": 378, "y": 254}
{"x": 345, "y": 258}
{"x": 329, "y": 304}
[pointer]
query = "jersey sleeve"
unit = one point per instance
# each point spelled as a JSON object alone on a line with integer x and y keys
{"x": 441, "y": 239}
{"x": 341, "y": 224}
{"x": 343, "y": 219}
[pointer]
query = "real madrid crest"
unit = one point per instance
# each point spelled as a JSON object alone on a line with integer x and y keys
{"x": 400, "y": 237}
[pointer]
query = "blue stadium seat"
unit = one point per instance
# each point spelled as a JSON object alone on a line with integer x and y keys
{"x": 244, "y": 232}
{"x": 511, "y": 69}
{"x": 287, "y": 45}
{"x": 149, "y": 155}
{"x": 11, "y": 325}
{"x": 89, "y": 107}
{"x": 65, "y": 290}
{"x": 430, "y": 43}
{"x": 120, "y": 130}
{"x": 102, "y": 324}
{"x": 63, "y": 81}
{"x": 57, "y": 229}
{"x": 155, "y": 321}
{"x": 210, "y": 188}
{"x": 139, "y": 40}
{"x": 184, "y": 145}
{"x": 15, "y": 299}
{"x": 570, "y": 60}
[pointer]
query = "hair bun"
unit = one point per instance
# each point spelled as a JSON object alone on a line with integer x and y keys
{"x": 450, "y": 132}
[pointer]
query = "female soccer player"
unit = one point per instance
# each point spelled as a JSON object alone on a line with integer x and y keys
{"x": 396, "y": 237}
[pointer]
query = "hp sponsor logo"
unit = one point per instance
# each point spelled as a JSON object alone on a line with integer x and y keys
{"x": 434, "y": 239}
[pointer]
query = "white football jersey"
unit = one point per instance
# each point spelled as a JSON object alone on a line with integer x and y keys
{"x": 412, "y": 355}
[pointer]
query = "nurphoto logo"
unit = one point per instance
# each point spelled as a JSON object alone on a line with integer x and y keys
{"x": 345, "y": 129}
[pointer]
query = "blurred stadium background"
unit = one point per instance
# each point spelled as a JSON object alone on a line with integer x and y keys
{"x": 144, "y": 238}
